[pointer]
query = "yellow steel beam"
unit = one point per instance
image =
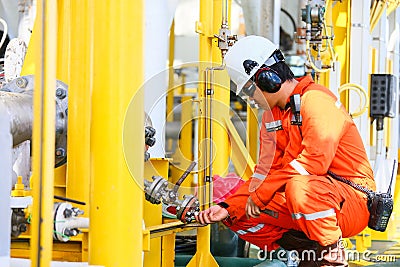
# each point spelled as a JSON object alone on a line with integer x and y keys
{"x": 44, "y": 132}
{"x": 252, "y": 132}
{"x": 116, "y": 200}
{"x": 165, "y": 229}
{"x": 241, "y": 159}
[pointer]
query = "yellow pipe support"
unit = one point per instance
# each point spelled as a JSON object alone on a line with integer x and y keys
{"x": 117, "y": 127}
{"x": 171, "y": 82}
{"x": 79, "y": 102}
{"x": 252, "y": 132}
{"x": 341, "y": 27}
{"x": 44, "y": 132}
{"x": 242, "y": 161}
{"x": 170, "y": 93}
{"x": 168, "y": 250}
{"x": 203, "y": 256}
{"x": 221, "y": 98}
{"x": 152, "y": 214}
{"x": 63, "y": 70}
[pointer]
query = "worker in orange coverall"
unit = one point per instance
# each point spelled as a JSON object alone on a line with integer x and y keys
{"x": 290, "y": 200}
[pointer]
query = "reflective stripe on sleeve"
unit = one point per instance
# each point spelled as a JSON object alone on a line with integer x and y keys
{"x": 315, "y": 215}
{"x": 259, "y": 176}
{"x": 298, "y": 167}
{"x": 251, "y": 229}
{"x": 273, "y": 126}
{"x": 255, "y": 228}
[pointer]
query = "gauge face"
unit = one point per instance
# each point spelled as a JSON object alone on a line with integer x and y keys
{"x": 14, "y": 59}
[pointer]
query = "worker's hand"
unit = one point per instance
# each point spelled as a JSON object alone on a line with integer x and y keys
{"x": 252, "y": 210}
{"x": 254, "y": 184}
{"x": 211, "y": 215}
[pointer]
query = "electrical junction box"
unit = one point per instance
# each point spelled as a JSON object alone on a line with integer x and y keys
{"x": 382, "y": 97}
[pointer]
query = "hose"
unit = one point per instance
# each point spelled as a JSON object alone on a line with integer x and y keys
{"x": 361, "y": 92}
{"x": 308, "y": 53}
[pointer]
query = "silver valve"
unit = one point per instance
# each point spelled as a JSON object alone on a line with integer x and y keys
{"x": 157, "y": 191}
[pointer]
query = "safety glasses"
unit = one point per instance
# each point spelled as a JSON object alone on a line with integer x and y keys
{"x": 249, "y": 89}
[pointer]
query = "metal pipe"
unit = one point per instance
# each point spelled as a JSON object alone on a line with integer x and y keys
{"x": 19, "y": 109}
{"x": 16, "y": 98}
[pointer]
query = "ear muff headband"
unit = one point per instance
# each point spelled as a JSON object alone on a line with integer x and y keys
{"x": 268, "y": 80}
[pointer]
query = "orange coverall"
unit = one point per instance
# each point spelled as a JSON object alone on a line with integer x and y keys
{"x": 295, "y": 160}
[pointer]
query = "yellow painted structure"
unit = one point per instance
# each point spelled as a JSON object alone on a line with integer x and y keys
{"x": 104, "y": 114}
{"x": 117, "y": 113}
{"x": 152, "y": 213}
{"x": 79, "y": 102}
{"x": 44, "y": 133}
{"x": 203, "y": 256}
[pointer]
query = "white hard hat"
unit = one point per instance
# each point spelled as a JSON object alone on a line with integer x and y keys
{"x": 255, "y": 48}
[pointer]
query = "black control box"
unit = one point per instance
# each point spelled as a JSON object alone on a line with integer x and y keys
{"x": 382, "y": 97}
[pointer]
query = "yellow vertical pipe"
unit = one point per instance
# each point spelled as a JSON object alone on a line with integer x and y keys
{"x": 204, "y": 28}
{"x": 171, "y": 82}
{"x": 44, "y": 133}
{"x": 116, "y": 200}
{"x": 203, "y": 256}
{"x": 63, "y": 67}
{"x": 221, "y": 105}
{"x": 79, "y": 103}
{"x": 170, "y": 93}
{"x": 64, "y": 38}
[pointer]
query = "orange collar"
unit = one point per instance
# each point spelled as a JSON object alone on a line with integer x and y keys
{"x": 304, "y": 82}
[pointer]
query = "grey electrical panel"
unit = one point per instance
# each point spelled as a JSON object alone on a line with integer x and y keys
{"x": 382, "y": 97}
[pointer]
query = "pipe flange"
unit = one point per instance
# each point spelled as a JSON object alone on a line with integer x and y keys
{"x": 156, "y": 190}
{"x": 24, "y": 85}
{"x": 188, "y": 209}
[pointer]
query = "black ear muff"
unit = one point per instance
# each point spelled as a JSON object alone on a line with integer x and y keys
{"x": 268, "y": 80}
